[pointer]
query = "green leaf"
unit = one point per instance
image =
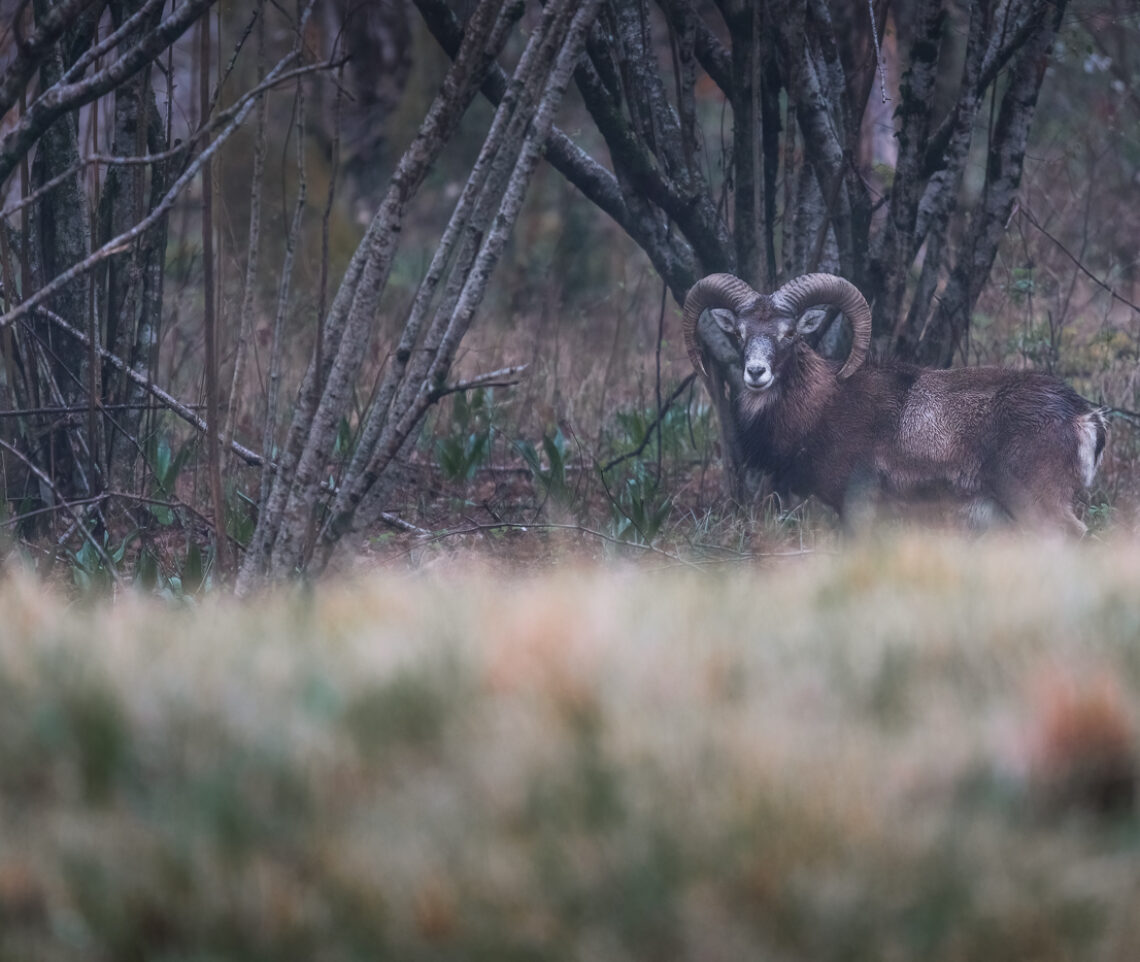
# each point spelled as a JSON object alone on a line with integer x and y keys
{"x": 118, "y": 554}
{"x": 146, "y": 570}
{"x": 162, "y": 459}
{"x": 193, "y": 570}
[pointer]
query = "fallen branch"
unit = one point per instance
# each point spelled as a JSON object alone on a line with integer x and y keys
{"x": 552, "y": 526}
{"x": 396, "y": 522}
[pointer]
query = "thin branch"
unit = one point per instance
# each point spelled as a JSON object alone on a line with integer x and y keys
{"x": 277, "y": 348}
{"x": 1021, "y": 209}
{"x": 64, "y": 97}
{"x": 1133, "y": 416}
{"x": 51, "y": 509}
{"x": 878, "y": 53}
{"x": 31, "y": 51}
{"x": 216, "y": 121}
{"x": 504, "y": 377}
{"x": 253, "y": 245}
{"x": 184, "y": 411}
{"x": 117, "y": 244}
{"x": 174, "y": 504}
{"x": 661, "y": 412}
{"x": 209, "y": 315}
{"x": 62, "y": 410}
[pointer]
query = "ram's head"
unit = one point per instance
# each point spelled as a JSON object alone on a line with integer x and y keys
{"x": 765, "y": 328}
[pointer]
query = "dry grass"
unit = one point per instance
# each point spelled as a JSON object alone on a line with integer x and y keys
{"x": 905, "y": 750}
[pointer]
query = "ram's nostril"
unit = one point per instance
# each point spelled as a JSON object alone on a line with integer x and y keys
{"x": 756, "y": 371}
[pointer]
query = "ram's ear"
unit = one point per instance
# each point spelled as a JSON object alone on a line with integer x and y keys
{"x": 811, "y": 321}
{"x": 725, "y": 320}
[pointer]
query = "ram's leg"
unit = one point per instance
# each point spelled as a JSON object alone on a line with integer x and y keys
{"x": 984, "y": 513}
{"x": 863, "y": 502}
{"x": 1051, "y": 513}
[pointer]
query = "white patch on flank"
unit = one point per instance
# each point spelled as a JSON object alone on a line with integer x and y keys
{"x": 1087, "y": 425}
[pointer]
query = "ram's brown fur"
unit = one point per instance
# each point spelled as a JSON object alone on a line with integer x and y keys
{"x": 1021, "y": 443}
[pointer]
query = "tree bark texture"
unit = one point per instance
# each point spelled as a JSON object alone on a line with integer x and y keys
{"x": 778, "y": 185}
{"x": 284, "y": 530}
{"x": 83, "y": 265}
{"x": 131, "y": 287}
{"x": 918, "y": 246}
{"x": 61, "y": 236}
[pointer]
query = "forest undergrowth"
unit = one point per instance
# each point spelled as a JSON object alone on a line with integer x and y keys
{"x": 913, "y": 748}
{"x": 583, "y": 460}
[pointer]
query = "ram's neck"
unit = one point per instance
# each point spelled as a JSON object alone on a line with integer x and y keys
{"x": 787, "y": 415}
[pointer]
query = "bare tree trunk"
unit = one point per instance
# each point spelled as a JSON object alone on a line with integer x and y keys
{"x": 209, "y": 317}
{"x": 949, "y": 325}
{"x": 273, "y": 387}
{"x": 253, "y": 253}
{"x": 61, "y": 236}
{"x": 285, "y": 519}
{"x": 513, "y": 147}
{"x": 131, "y": 304}
{"x": 821, "y": 56}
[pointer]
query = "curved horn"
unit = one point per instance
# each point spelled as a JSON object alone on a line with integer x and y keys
{"x": 810, "y": 290}
{"x": 716, "y": 290}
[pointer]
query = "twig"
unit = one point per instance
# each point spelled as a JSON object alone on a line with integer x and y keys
{"x": 504, "y": 377}
{"x": 253, "y": 246}
{"x": 209, "y": 315}
{"x": 284, "y": 287}
{"x": 657, "y": 373}
{"x": 396, "y": 522}
{"x": 67, "y": 506}
{"x": 117, "y": 244}
{"x": 326, "y": 217}
{"x": 50, "y": 509}
{"x": 1122, "y": 412}
{"x": 182, "y": 410}
{"x": 878, "y": 53}
{"x": 64, "y": 409}
{"x": 662, "y": 411}
{"x": 1084, "y": 270}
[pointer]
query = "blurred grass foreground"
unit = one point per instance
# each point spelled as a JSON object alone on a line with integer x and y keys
{"x": 907, "y": 750}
